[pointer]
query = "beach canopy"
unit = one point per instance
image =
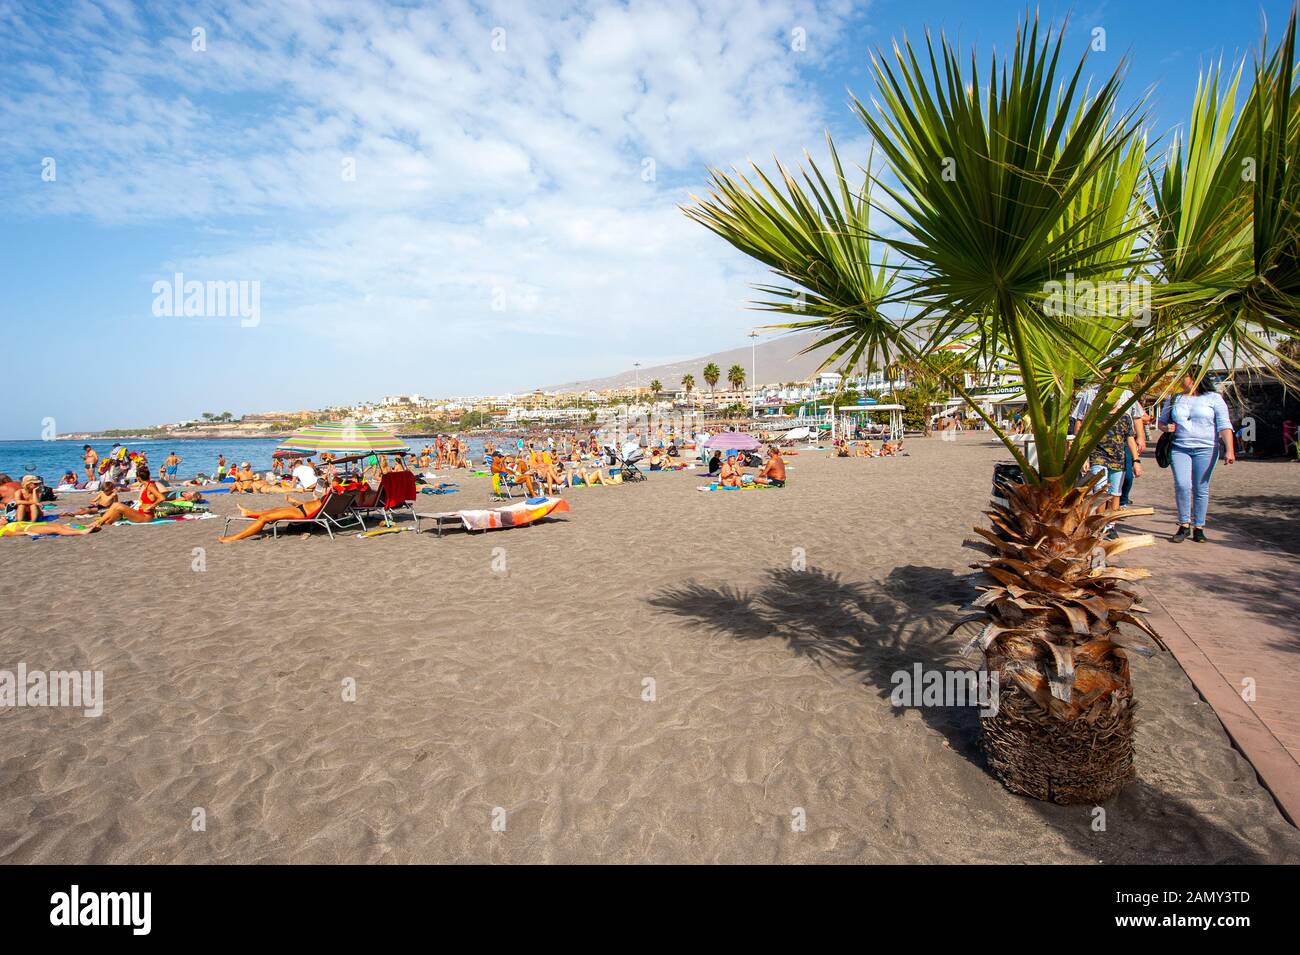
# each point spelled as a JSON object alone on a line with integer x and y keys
{"x": 344, "y": 437}
{"x": 733, "y": 441}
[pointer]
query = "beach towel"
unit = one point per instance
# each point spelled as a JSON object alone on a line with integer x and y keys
{"x": 442, "y": 488}
{"x": 167, "y": 520}
{"x": 512, "y": 515}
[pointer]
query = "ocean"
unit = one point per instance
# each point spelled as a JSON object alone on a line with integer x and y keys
{"x": 50, "y": 459}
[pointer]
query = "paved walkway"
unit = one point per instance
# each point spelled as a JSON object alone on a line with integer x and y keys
{"x": 1230, "y": 613}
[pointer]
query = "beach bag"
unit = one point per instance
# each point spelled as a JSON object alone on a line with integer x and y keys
{"x": 1163, "y": 449}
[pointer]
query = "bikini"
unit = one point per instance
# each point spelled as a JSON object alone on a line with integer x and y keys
{"x": 147, "y": 507}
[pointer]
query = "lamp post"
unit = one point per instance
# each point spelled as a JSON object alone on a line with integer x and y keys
{"x": 753, "y": 364}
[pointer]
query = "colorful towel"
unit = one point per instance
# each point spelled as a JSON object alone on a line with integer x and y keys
{"x": 512, "y": 515}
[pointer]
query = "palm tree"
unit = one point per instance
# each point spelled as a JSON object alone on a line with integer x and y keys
{"x": 711, "y": 375}
{"x": 688, "y": 383}
{"x": 1009, "y": 192}
{"x": 736, "y": 377}
{"x": 656, "y": 386}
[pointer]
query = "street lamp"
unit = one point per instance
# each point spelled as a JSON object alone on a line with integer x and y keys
{"x": 753, "y": 385}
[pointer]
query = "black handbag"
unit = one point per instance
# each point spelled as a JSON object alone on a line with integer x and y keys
{"x": 1163, "y": 448}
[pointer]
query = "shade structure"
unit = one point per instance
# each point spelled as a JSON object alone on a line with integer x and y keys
{"x": 344, "y": 437}
{"x": 733, "y": 441}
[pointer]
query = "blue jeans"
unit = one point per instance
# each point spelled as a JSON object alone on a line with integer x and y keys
{"x": 1192, "y": 468}
{"x": 1127, "y": 487}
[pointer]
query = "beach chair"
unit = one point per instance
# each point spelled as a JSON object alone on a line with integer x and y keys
{"x": 335, "y": 514}
{"x": 396, "y": 491}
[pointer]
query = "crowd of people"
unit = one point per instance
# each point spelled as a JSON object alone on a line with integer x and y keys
{"x": 1195, "y": 419}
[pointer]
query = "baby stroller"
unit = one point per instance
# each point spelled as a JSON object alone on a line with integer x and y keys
{"x": 626, "y": 460}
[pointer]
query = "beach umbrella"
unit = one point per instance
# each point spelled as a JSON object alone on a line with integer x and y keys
{"x": 344, "y": 437}
{"x": 733, "y": 441}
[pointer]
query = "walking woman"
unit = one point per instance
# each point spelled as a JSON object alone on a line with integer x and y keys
{"x": 1198, "y": 420}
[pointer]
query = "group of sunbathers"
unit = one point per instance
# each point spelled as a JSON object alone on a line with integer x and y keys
{"x": 863, "y": 449}
{"x": 105, "y": 506}
{"x": 730, "y": 469}
{"x": 532, "y": 468}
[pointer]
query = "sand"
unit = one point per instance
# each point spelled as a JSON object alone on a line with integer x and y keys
{"x": 504, "y": 716}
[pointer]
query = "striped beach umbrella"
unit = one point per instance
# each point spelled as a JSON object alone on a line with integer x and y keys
{"x": 344, "y": 437}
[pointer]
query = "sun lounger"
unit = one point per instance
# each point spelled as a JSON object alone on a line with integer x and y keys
{"x": 396, "y": 491}
{"x": 512, "y": 515}
{"x": 335, "y": 514}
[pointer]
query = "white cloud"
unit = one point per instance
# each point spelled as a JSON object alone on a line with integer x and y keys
{"x": 517, "y": 174}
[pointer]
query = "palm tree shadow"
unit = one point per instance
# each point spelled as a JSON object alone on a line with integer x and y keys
{"x": 879, "y": 628}
{"x": 873, "y": 630}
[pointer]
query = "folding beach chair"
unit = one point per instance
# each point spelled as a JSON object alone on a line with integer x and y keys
{"x": 335, "y": 514}
{"x": 396, "y": 491}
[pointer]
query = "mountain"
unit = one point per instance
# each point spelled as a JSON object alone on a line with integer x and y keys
{"x": 778, "y": 361}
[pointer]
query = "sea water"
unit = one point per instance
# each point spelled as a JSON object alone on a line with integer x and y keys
{"x": 49, "y": 459}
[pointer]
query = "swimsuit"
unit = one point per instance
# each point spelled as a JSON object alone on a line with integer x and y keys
{"x": 14, "y": 528}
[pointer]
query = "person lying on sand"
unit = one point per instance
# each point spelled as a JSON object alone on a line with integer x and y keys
{"x": 294, "y": 510}
{"x": 773, "y": 471}
{"x": 150, "y": 497}
{"x": 10, "y": 528}
{"x": 593, "y": 477}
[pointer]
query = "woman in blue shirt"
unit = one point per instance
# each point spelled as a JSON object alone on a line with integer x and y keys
{"x": 1198, "y": 419}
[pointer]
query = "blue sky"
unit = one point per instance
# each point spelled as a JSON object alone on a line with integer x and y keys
{"x": 511, "y": 221}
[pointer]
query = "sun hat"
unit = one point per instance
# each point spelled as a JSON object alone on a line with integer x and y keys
{"x": 31, "y": 479}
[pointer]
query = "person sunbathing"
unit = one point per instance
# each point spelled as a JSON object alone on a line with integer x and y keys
{"x": 548, "y": 473}
{"x": 27, "y": 502}
{"x": 773, "y": 471}
{"x": 598, "y": 476}
{"x": 841, "y": 448}
{"x": 506, "y": 471}
{"x": 10, "y": 528}
{"x": 293, "y": 511}
{"x": 104, "y": 498}
{"x": 865, "y": 450}
{"x": 732, "y": 474}
{"x": 150, "y": 497}
{"x": 246, "y": 479}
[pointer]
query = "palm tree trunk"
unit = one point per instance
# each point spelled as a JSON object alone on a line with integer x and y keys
{"x": 1050, "y": 613}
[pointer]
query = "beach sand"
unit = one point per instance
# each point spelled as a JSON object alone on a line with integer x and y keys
{"x": 520, "y": 696}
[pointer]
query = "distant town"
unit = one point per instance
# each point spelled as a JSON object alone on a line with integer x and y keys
{"x": 727, "y": 395}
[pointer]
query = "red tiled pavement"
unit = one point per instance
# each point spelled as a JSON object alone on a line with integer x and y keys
{"x": 1230, "y": 613}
